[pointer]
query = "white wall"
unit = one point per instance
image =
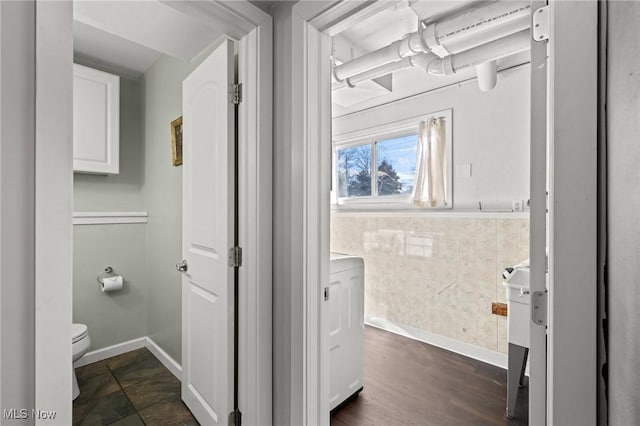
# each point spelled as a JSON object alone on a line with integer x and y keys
{"x": 53, "y": 183}
{"x": 490, "y": 132}
{"x": 623, "y": 151}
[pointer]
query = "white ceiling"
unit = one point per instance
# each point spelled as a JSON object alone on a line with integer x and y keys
{"x": 100, "y": 49}
{"x": 127, "y": 37}
{"x": 384, "y": 28}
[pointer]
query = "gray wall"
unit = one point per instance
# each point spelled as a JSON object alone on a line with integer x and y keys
{"x": 145, "y": 254}
{"x": 121, "y": 192}
{"x": 118, "y": 316}
{"x": 17, "y": 221}
{"x": 287, "y": 402}
{"x": 161, "y": 91}
{"x": 623, "y": 103}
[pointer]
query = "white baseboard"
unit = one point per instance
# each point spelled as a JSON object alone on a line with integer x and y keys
{"x": 109, "y": 351}
{"x": 164, "y": 358}
{"x": 132, "y": 345}
{"x": 472, "y": 351}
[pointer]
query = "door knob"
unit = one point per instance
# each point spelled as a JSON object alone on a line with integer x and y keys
{"x": 182, "y": 266}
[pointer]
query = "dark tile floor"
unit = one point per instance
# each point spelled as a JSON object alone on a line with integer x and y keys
{"x": 128, "y": 390}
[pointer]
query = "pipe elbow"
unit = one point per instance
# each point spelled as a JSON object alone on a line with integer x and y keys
{"x": 422, "y": 61}
{"x": 409, "y": 45}
{"x": 440, "y": 66}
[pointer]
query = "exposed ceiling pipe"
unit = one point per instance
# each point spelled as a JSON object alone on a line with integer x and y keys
{"x": 408, "y": 62}
{"x": 469, "y": 28}
{"x": 434, "y": 65}
{"x": 471, "y": 22}
{"x": 469, "y": 41}
{"x": 506, "y": 46}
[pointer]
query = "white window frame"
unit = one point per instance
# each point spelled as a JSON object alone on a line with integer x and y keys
{"x": 382, "y": 133}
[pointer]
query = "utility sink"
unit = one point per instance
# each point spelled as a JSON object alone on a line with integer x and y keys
{"x": 519, "y": 305}
{"x": 519, "y": 278}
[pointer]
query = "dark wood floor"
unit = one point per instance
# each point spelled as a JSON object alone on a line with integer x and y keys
{"x": 407, "y": 382}
{"x": 131, "y": 389}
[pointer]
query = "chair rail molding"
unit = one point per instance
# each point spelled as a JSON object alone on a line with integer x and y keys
{"x": 107, "y": 218}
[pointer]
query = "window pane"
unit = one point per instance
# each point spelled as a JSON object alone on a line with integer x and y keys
{"x": 396, "y": 165}
{"x": 354, "y": 171}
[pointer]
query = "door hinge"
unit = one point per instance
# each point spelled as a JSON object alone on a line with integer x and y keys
{"x": 235, "y": 418}
{"x": 235, "y": 93}
{"x": 235, "y": 257}
{"x": 539, "y": 307}
{"x": 541, "y": 24}
{"x": 326, "y": 294}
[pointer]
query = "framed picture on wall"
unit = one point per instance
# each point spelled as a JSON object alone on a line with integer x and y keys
{"x": 176, "y": 141}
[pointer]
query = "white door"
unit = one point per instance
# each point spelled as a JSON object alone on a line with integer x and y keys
{"x": 208, "y": 233}
{"x": 538, "y": 228}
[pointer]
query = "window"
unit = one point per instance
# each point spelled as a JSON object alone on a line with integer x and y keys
{"x": 395, "y": 160}
{"x": 403, "y": 165}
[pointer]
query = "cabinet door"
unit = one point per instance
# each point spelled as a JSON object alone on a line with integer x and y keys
{"x": 96, "y": 121}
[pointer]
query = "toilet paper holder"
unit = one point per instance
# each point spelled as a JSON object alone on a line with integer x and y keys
{"x": 101, "y": 275}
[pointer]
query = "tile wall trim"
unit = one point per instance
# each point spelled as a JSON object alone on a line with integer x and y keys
{"x": 472, "y": 351}
{"x": 109, "y": 351}
{"x": 165, "y": 359}
{"x": 433, "y": 214}
{"x": 107, "y": 218}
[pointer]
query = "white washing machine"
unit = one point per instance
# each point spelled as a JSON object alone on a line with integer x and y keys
{"x": 345, "y": 320}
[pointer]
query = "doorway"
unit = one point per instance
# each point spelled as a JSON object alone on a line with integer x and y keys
{"x": 309, "y": 122}
{"x": 253, "y": 32}
{"x": 431, "y": 183}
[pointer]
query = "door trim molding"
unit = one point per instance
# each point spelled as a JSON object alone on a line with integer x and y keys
{"x": 255, "y": 70}
{"x": 573, "y": 215}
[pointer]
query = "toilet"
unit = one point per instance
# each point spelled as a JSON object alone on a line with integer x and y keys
{"x": 80, "y": 342}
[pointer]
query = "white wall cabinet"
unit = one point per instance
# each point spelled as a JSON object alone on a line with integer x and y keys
{"x": 96, "y": 121}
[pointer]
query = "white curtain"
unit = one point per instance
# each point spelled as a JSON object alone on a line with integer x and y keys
{"x": 430, "y": 189}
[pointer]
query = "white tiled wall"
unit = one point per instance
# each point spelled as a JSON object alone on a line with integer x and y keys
{"x": 433, "y": 273}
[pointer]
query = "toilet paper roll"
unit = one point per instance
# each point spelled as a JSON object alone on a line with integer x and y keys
{"x": 111, "y": 283}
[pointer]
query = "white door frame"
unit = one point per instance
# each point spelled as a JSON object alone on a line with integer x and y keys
{"x": 53, "y": 209}
{"x": 304, "y": 127}
{"x": 538, "y": 232}
{"x": 573, "y": 204}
